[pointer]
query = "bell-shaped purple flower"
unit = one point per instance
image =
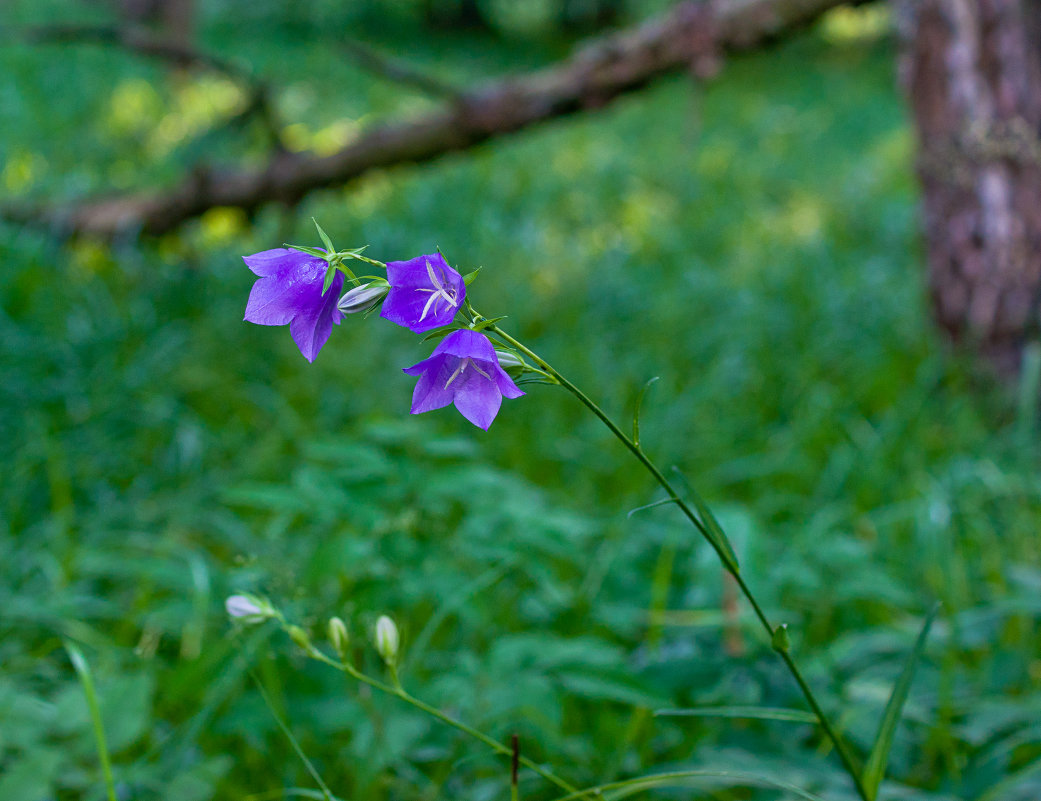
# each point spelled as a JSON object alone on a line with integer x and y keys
{"x": 290, "y": 292}
{"x": 463, "y": 370}
{"x": 425, "y": 293}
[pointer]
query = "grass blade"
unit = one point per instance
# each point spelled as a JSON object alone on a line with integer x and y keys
{"x": 684, "y": 778}
{"x": 87, "y": 680}
{"x": 757, "y": 712}
{"x": 636, "y": 411}
{"x": 875, "y": 768}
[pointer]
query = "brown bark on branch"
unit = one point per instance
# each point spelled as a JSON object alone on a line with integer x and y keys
{"x": 178, "y": 54}
{"x": 371, "y": 59}
{"x": 141, "y": 41}
{"x": 691, "y": 36}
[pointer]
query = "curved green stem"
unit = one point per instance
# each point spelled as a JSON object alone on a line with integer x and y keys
{"x": 400, "y": 692}
{"x": 840, "y": 745}
{"x": 82, "y": 668}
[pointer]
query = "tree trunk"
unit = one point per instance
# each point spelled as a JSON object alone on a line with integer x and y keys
{"x": 972, "y": 73}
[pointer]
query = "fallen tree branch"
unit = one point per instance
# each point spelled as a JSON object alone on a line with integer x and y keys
{"x": 145, "y": 43}
{"x": 138, "y": 40}
{"x": 372, "y": 60}
{"x": 691, "y": 36}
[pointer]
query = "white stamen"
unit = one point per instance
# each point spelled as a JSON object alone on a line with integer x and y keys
{"x": 457, "y": 373}
{"x": 438, "y": 285}
{"x": 478, "y": 369}
{"x": 440, "y": 290}
{"x": 430, "y": 302}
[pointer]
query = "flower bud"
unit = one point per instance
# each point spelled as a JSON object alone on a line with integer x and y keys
{"x": 387, "y": 640}
{"x": 363, "y": 298}
{"x": 338, "y": 636}
{"x": 513, "y": 364}
{"x": 300, "y": 637}
{"x": 248, "y": 609}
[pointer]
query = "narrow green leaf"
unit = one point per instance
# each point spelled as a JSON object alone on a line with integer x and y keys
{"x": 757, "y": 712}
{"x": 440, "y": 333}
{"x": 324, "y": 237}
{"x": 87, "y": 680}
{"x": 486, "y": 323}
{"x": 469, "y": 277}
{"x": 636, "y": 411}
{"x": 875, "y": 768}
{"x": 715, "y": 531}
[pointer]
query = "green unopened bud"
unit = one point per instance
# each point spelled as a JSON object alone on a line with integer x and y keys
{"x": 363, "y": 298}
{"x": 780, "y": 640}
{"x": 338, "y": 636}
{"x": 513, "y": 364}
{"x": 300, "y": 637}
{"x": 248, "y": 609}
{"x": 387, "y": 640}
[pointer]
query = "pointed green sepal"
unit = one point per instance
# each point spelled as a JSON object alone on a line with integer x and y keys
{"x": 325, "y": 238}
{"x": 318, "y": 253}
{"x": 781, "y": 642}
{"x": 469, "y": 277}
{"x": 330, "y": 275}
{"x": 875, "y": 768}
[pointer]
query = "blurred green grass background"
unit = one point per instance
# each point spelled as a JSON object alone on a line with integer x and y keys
{"x": 753, "y": 242}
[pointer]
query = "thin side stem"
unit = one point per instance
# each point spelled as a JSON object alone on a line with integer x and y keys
{"x": 327, "y": 794}
{"x": 399, "y": 691}
{"x": 840, "y": 746}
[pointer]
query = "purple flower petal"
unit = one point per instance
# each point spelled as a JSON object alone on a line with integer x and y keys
{"x": 462, "y": 370}
{"x": 431, "y": 391}
{"x": 425, "y": 293}
{"x": 505, "y": 384}
{"x": 269, "y": 262}
{"x": 478, "y": 399}
{"x": 311, "y": 329}
{"x": 289, "y": 291}
{"x": 412, "y": 273}
{"x": 467, "y": 343}
{"x": 405, "y": 307}
{"x": 267, "y": 304}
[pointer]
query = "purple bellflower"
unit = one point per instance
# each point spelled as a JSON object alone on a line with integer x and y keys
{"x": 463, "y": 370}
{"x": 290, "y": 292}
{"x": 425, "y": 293}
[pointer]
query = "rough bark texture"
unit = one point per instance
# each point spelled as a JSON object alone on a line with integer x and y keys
{"x": 691, "y": 36}
{"x": 972, "y": 72}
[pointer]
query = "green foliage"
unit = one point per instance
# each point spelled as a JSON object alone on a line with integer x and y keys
{"x": 753, "y": 243}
